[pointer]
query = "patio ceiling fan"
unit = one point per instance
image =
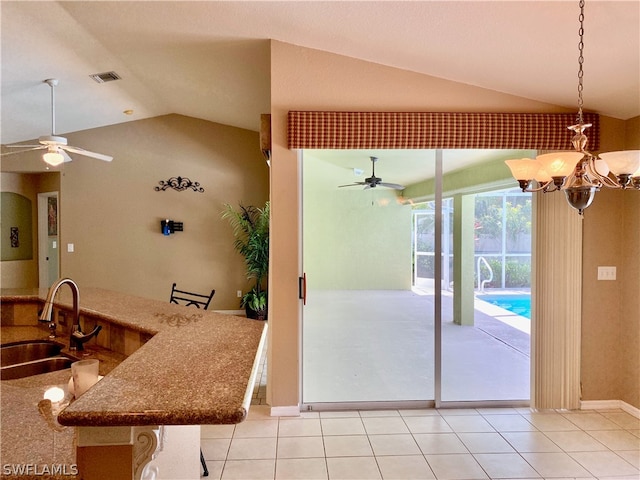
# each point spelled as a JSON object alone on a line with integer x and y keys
{"x": 55, "y": 145}
{"x": 373, "y": 181}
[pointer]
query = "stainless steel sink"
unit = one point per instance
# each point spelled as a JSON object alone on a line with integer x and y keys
{"x": 20, "y": 352}
{"x": 31, "y": 357}
{"x": 35, "y": 367}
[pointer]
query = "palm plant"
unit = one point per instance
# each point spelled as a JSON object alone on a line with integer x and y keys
{"x": 251, "y": 230}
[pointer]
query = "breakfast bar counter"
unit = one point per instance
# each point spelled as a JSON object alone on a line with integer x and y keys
{"x": 188, "y": 367}
{"x": 197, "y": 368}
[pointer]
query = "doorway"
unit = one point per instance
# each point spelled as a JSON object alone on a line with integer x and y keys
{"x": 48, "y": 239}
{"x": 369, "y": 332}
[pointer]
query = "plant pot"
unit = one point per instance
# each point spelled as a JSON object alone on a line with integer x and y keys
{"x": 262, "y": 315}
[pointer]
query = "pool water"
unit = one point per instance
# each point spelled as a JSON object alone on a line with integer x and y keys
{"x": 518, "y": 304}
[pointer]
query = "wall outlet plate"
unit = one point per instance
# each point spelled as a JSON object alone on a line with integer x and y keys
{"x": 606, "y": 273}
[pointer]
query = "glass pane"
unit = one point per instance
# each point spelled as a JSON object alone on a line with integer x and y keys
{"x": 367, "y": 330}
{"x": 486, "y": 347}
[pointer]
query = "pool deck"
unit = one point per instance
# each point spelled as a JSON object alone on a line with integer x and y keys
{"x": 505, "y": 316}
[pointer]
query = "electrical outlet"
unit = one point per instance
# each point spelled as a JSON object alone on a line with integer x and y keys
{"x": 606, "y": 273}
{"x": 239, "y": 293}
{"x": 70, "y": 248}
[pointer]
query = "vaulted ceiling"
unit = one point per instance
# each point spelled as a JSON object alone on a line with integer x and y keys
{"x": 210, "y": 59}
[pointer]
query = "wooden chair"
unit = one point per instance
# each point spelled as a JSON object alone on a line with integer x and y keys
{"x": 182, "y": 297}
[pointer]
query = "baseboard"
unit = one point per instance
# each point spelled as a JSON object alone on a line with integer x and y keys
{"x": 610, "y": 405}
{"x": 238, "y": 313}
{"x": 289, "y": 411}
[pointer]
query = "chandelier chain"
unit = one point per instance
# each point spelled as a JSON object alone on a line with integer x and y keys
{"x": 580, "y": 61}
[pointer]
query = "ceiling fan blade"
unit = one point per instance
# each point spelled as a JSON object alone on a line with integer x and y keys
{"x": 352, "y": 184}
{"x": 86, "y": 153}
{"x": 22, "y": 146}
{"x": 392, "y": 185}
{"x": 33, "y": 147}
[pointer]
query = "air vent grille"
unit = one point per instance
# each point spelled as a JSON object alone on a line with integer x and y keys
{"x": 105, "y": 77}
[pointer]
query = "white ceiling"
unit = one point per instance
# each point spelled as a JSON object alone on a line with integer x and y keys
{"x": 210, "y": 59}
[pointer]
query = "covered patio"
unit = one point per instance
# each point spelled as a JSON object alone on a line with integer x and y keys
{"x": 378, "y": 346}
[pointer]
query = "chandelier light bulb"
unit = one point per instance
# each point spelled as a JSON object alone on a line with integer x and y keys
{"x": 601, "y": 167}
{"x": 524, "y": 168}
{"x": 542, "y": 176}
{"x": 623, "y": 163}
{"x": 560, "y": 164}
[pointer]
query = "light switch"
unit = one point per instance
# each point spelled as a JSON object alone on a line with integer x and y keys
{"x": 70, "y": 247}
{"x": 54, "y": 244}
{"x": 606, "y": 273}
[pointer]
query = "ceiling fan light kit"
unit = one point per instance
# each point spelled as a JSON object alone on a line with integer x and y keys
{"x": 53, "y": 158}
{"x": 55, "y": 145}
{"x": 578, "y": 173}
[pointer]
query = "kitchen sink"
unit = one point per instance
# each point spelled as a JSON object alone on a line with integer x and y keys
{"x": 31, "y": 357}
{"x": 35, "y": 367}
{"x": 20, "y": 352}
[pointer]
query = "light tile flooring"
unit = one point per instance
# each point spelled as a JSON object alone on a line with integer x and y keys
{"x": 502, "y": 443}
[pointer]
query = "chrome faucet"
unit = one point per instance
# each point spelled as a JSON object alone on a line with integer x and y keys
{"x": 77, "y": 338}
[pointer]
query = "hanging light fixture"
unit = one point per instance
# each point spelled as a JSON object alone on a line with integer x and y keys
{"x": 579, "y": 174}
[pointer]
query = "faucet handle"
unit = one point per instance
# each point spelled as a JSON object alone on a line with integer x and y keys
{"x": 52, "y": 329}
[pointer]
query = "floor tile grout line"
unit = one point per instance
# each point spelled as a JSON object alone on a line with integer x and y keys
{"x": 457, "y": 434}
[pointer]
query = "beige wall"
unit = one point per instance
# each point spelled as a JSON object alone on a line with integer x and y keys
{"x": 24, "y": 273}
{"x": 305, "y": 79}
{"x": 630, "y": 307}
{"x": 610, "y": 320}
{"x": 111, "y": 212}
{"x": 632, "y": 133}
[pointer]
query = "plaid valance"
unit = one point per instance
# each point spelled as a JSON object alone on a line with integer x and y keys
{"x": 427, "y": 130}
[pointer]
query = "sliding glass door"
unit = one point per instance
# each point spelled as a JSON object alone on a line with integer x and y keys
{"x": 367, "y": 332}
{"x": 392, "y": 315}
{"x": 486, "y": 334}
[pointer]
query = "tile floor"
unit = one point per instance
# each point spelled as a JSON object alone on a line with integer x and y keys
{"x": 502, "y": 443}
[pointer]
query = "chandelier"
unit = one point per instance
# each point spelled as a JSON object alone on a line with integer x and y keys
{"x": 579, "y": 173}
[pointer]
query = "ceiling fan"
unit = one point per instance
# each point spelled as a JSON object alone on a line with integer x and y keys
{"x": 56, "y": 146}
{"x": 373, "y": 181}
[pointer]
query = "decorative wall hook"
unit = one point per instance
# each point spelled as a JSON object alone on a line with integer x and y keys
{"x": 179, "y": 184}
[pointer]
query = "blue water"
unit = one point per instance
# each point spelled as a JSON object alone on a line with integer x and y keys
{"x": 518, "y": 304}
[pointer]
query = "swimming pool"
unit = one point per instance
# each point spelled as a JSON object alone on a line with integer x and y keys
{"x": 518, "y": 304}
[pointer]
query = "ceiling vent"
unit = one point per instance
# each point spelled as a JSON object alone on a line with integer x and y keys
{"x": 105, "y": 77}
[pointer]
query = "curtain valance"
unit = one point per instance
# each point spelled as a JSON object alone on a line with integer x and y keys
{"x": 427, "y": 130}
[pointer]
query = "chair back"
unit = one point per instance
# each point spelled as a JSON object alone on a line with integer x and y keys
{"x": 182, "y": 297}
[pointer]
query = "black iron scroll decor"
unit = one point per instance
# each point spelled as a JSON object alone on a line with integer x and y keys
{"x": 179, "y": 184}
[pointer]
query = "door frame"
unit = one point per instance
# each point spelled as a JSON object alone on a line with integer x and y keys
{"x": 437, "y": 401}
{"x": 43, "y": 247}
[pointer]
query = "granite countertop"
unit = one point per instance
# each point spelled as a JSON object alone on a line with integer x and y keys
{"x": 197, "y": 369}
{"x": 30, "y": 436}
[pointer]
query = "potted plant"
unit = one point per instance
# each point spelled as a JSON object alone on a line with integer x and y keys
{"x": 251, "y": 231}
